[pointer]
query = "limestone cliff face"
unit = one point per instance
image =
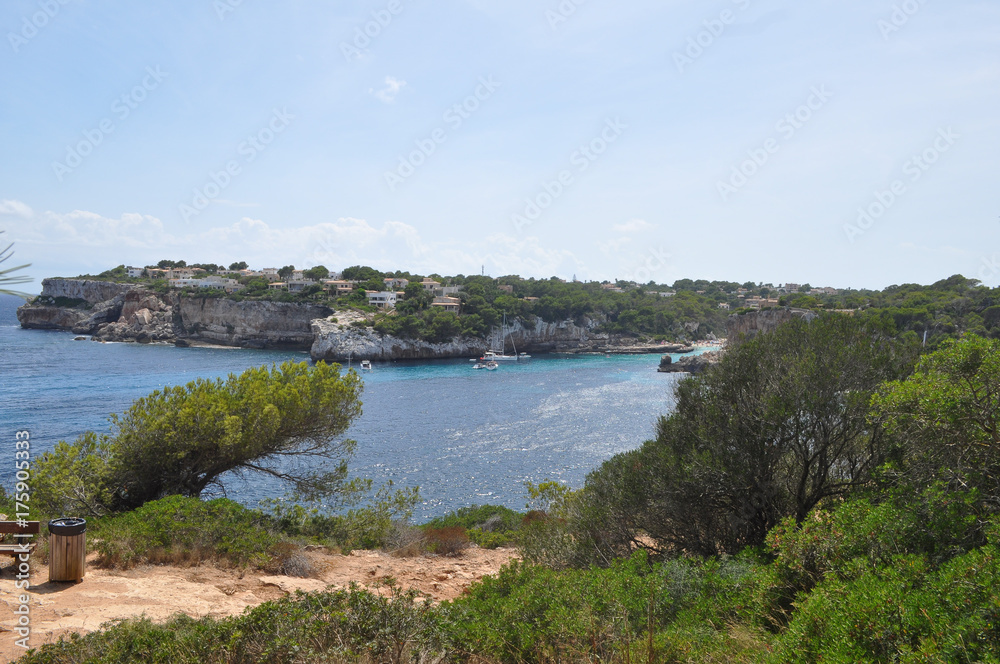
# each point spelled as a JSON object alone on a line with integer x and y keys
{"x": 80, "y": 305}
{"x": 42, "y": 317}
{"x": 542, "y": 337}
{"x": 125, "y": 312}
{"x": 336, "y": 342}
{"x": 247, "y": 324}
{"x": 84, "y": 289}
{"x": 141, "y": 316}
{"x": 748, "y": 325}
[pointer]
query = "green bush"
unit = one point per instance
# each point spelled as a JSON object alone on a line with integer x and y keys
{"x": 179, "y": 529}
{"x": 860, "y": 535}
{"x": 345, "y": 625}
{"x": 902, "y": 612}
{"x": 366, "y": 527}
{"x": 534, "y": 613}
{"x": 487, "y": 526}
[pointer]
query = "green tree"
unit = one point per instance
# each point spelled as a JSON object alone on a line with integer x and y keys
{"x": 779, "y": 425}
{"x": 286, "y": 271}
{"x": 947, "y": 414}
{"x": 316, "y": 273}
{"x": 361, "y": 273}
{"x": 283, "y": 422}
{"x": 241, "y": 265}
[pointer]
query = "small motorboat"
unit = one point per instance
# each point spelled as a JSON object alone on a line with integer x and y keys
{"x": 366, "y": 365}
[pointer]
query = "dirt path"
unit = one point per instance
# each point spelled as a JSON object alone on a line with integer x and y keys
{"x": 160, "y": 592}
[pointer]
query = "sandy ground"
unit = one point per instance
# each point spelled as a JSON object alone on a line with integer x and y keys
{"x": 163, "y": 591}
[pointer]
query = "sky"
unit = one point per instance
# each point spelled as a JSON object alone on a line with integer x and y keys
{"x": 837, "y": 143}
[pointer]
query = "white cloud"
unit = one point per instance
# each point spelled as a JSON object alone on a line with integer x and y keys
{"x": 633, "y": 226}
{"x": 391, "y": 89}
{"x": 15, "y": 209}
{"x": 137, "y": 239}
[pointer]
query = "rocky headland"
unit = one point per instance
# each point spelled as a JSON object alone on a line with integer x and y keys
{"x": 108, "y": 311}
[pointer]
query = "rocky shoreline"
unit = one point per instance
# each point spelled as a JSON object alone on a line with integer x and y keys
{"x": 692, "y": 364}
{"x": 113, "y": 312}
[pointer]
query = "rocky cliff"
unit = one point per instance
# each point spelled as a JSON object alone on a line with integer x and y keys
{"x": 747, "y": 325}
{"x": 124, "y": 312}
{"x": 348, "y": 337}
{"x": 73, "y": 304}
{"x": 338, "y": 340}
{"x": 247, "y": 324}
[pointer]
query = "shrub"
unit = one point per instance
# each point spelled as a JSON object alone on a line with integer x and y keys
{"x": 448, "y": 541}
{"x": 902, "y": 612}
{"x": 345, "y": 625}
{"x": 186, "y": 530}
{"x": 859, "y": 535}
{"x": 487, "y": 526}
{"x": 368, "y": 527}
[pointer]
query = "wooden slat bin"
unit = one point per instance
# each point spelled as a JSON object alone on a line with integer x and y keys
{"x": 67, "y": 549}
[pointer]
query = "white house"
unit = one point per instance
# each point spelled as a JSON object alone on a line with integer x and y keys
{"x": 135, "y": 271}
{"x": 382, "y": 299}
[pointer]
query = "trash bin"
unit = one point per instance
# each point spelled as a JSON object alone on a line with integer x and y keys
{"x": 67, "y": 549}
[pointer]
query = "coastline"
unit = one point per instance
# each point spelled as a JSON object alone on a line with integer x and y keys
{"x": 108, "y": 312}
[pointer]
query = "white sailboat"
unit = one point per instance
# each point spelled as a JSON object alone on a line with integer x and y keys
{"x": 498, "y": 351}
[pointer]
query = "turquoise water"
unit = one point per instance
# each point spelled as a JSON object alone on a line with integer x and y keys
{"x": 463, "y": 436}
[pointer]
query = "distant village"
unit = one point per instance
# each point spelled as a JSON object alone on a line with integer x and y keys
{"x": 297, "y": 281}
{"x": 445, "y": 297}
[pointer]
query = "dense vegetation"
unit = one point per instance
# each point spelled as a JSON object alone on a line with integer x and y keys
{"x": 825, "y": 493}
{"x": 685, "y": 310}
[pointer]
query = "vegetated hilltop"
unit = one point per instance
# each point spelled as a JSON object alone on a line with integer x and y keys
{"x": 541, "y": 314}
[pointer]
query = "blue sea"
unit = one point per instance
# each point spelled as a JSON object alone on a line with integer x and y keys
{"x": 464, "y": 437}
